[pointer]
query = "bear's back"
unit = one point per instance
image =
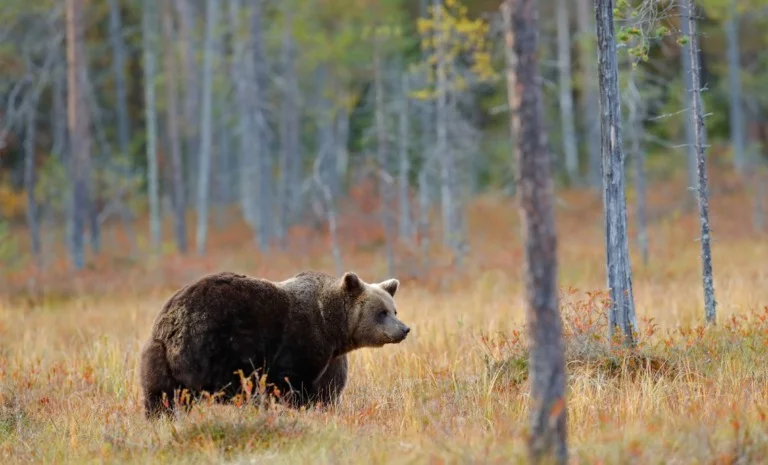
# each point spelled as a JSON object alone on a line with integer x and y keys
{"x": 220, "y": 322}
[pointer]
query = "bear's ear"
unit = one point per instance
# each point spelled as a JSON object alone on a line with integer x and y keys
{"x": 390, "y": 286}
{"x": 351, "y": 283}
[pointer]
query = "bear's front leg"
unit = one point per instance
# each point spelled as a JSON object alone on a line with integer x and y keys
{"x": 329, "y": 386}
{"x": 294, "y": 389}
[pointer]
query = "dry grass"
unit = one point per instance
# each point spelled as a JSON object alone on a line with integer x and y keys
{"x": 455, "y": 392}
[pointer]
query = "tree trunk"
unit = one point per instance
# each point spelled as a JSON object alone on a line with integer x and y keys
{"x": 289, "y": 133}
{"x": 59, "y": 114}
{"x": 590, "y": 98}
{"x": 206, "y": 131}
{"x": 697, "y": 121}
{"x": 618, "y": 266}
{"x": 241, "y": 75}
{"x": 689, "y": 84}
{"x": 179, "y": 197}
{"x": 536, "y": 206}
{"x": 118, "y": 63}
{"x": 30, "y": 178}
{"x": 191, "y": 119}
{"x": 382, "y": 151}
{"x": 79, "y": 134}
{"x": 149, "y": 26}
{"x": 426, "y": 115}
{"x": 223, "y": 169}
{"x": 566, "y": 97}
{"x": 406, "y": 227}
{"x": 734, "y": 84}
{"x": 259, "y": 95}
{"x": 451, "y": 221}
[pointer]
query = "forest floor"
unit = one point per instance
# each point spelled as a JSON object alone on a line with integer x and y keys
{"x": 455, "y": 391}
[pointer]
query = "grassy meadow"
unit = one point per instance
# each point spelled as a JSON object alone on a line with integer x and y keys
{"x": 455, "y": 391}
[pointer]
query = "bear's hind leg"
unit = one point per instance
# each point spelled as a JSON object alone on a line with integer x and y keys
{"x": 157, "y": 381}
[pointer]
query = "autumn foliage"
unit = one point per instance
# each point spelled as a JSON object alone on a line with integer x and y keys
{"x": 455, "y": 392}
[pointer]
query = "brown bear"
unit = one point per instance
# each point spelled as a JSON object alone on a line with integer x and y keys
{"x": 296, "y": 331}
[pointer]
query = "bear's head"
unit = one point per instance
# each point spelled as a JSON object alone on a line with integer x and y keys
{"x": 372, "y": 316}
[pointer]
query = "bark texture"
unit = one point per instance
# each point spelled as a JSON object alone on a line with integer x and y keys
{"x": 701, "y": 169}
{"x": 618, "y": 266}
{"x": 536, "y": 200}
{"x": 177, "y": 175}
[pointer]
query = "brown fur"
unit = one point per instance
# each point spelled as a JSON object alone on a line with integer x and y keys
{"x": 296, "y": 331}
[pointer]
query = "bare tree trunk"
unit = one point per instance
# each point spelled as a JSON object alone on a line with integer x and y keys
{"x": 118, "y": 63}
{"x": 241, "y": 75}
{"x": 590, "y": 98}
{"x": 206, "y": 131}
{"x": 223, "y": 168}
{"x": 689, "y": 84}
{"x": 179, "y": 197}
{"x": 79, "y": 134}
{"x": 570, "y": 145}
{"x": 289, "y": 132}
{"x": 382, "y": 151}
{"x": 734, "y": 84}
{"x": 536, "y": 206}
{"x": 451, "y": 221}
{"x": 618, "y": 266}
{"x": 149, "y": 26}
{"x": 59, "y": 114}
{"x": 30, "y": 179}
{"x": 191, "y": 119}
{"x": 259, "y": 96}
{"x": 697, "y": 118}
{"x": 636, "y": 116}
{"x": 406, "y": 227}
{"x": 426, "y": 111}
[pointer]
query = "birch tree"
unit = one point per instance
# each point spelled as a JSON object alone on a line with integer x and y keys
{"x": 536, "y": 208}
{"x": 404, "y": 165}
{"x": 79, "y": 133}
{"x": 697, "y": 122}
{"x": 688, "y": 85}
{"x": 447, "y": 199}
{"x": 447, "y": 33}
{"x": 618, "y": 266}
{"x": 241, "y": 73}
{"x": 149, "y": 42}
{"x": 259, "y": 93}
{"x": 289, "y": 129}
{"x": 206, "y": 130}
{"x": 118, "y": 68}
{"x": 190, "y": 121}
{"x": 177, "y": 173}
{"x": 426, "y": 119}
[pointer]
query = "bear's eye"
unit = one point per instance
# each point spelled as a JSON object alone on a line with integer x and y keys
{"x": 382, "y": 314}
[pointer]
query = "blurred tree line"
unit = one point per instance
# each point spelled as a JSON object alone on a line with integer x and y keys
{"x": 120, "y": 109}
